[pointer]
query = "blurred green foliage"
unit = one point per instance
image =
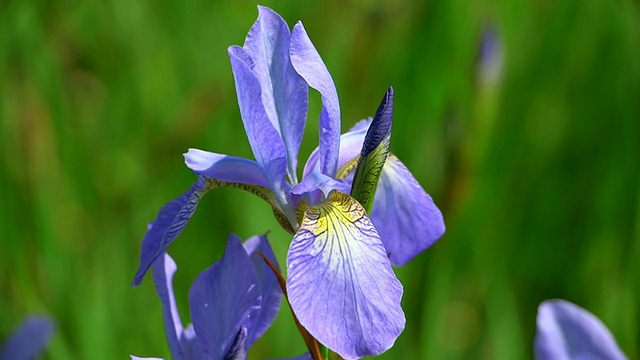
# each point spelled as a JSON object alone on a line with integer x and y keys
{"x": 536, "y": 168}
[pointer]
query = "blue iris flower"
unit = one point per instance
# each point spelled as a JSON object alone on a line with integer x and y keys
{"x": 356, "y": 211}
{"x": 231, "y": 303}
{"x": 566, "y": 331}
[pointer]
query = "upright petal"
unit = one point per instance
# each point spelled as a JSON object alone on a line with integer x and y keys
{"x": 225, "y": 168}
{"x": 29, "y": 340}
{"x": 285, "y": 94}
{"x": 169, "y": 223}
{"x": 270, "y": 289}
{"x": 404, "y": 214}
{"x": 163, "y": 270}
{"x": 567, "y": 331}
{"x": 266, "y": 143}
{"x": 341, "y": 285}
{"x": 309, "y": 65}
{"x": 223, "y": 299}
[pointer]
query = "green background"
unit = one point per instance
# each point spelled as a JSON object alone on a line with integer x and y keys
{"x": 535, "y": 167}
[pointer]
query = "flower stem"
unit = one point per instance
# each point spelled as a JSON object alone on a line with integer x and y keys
{"x": 310, "y": 341}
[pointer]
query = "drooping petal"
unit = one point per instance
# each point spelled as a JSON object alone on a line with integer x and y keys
{"x": 266, "y": 143}
{"x": 224, "y": 298}
{"x": 404, "y": 214}
{"x": 225, "y": 168}
{"x": 285, "y": 94}
{"x": 163, "y": 269}
{"x": 270, "y": 289}
{"x": 341, "y": 285}
{"x": 29, "y": 340}
{"x": 374, "y": 153}
{"x": 308, "y": 63}
{"x": 171, "y": 220}
{"x": 567, "y": 331}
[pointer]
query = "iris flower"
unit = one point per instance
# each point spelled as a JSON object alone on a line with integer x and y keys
{"x": 341, "y": 285}
{"x": 232, "y": 303}
{"x": 566, "y": 331}
{"x": 29, "y": 340}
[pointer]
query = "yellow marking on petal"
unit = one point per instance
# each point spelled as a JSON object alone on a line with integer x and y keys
{"x": 335, "y": 225}
{"x": 339, "y": 209}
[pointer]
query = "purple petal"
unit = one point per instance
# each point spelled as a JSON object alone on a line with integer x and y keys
{"x": 404, "y": 214}
{"x": 163, "y": 270}
{"x": 269, "y": 286}
{"x": 266, "y": 143}
{"x": 169, "y": 223}
{"x": 224, "y": 298}
{"x": 341, "y": 285}
{"x": 309, "y": 65}
{"x": 285, "y": 94}
{"x": 133, "y": 357}
{"x": 567, "y": 331}
{"x": 29, "y": 340}
{"x": 225, "y": 167}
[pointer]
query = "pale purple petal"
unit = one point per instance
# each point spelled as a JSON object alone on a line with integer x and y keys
{"x": 309, "y": 65}
{"x": 225, "y": 168}
{"x": 171, "y": 220}
{"x": 266, "y": 143}
{"x": 404, "y": 214}
{"x": 269, "y": 286}
{"x": 29, "y": 340}
{"x": 163, "y": 270}
{"x": 567, "y": 331}
{"x": 285, "y": 94}
{"x": 341, "y": 285}
{"x": 133, "y": 357}
{"x": 224, "y": 298}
